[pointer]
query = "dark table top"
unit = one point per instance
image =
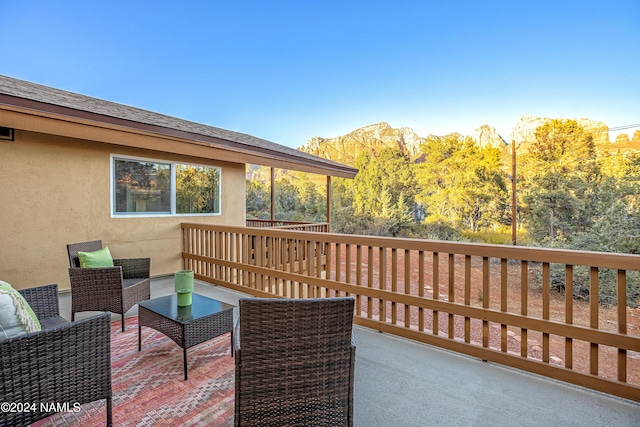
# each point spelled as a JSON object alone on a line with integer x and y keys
{"x": 201, "y": 306}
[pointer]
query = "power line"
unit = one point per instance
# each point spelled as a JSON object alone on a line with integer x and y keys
{"x": 615, "y": 128}
{"x": 624, "y": 127}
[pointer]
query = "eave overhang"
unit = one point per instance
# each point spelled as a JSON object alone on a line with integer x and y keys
{"x": 45, "y": 117}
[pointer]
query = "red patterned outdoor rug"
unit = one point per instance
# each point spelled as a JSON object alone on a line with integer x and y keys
{"x": 149, "y": 387}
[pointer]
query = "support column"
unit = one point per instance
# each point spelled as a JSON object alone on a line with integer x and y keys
{"x": 273, "y": 195}
{"x": 329, "y": 201}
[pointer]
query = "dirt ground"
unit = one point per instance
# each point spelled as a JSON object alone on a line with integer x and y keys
{"x": 607, "y": 316}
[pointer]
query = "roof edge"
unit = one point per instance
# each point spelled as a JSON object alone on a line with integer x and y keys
{"x": 262, "y": 149}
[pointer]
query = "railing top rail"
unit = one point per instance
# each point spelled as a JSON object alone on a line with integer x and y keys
{"x": 521, "y": 253}
{"x": 281, "y": 221}
{"x": 302, "y": 224}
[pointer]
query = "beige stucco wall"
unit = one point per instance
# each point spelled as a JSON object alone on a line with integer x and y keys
{"x": 56, "y": 191}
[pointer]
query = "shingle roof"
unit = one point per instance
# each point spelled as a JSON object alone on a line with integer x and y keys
{"x": 102, "y": 110}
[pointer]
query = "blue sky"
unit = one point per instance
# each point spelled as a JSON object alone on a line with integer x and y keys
{"x": 290, "y": 70}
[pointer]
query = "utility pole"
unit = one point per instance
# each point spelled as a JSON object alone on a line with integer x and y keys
{"x": 514, "y": 206}
{"x": 514, "y": 224}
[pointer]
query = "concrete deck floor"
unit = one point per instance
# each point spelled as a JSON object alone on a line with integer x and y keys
{"x": 399, "y": 382}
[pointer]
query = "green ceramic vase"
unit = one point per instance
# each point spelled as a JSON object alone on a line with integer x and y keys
{"x": 184, "y": 287}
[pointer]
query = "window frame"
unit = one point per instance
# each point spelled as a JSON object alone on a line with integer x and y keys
{"x": 172, "y": 184}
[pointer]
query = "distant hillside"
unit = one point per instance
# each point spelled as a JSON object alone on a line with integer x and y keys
{"x": 344, "y": 149}
{"x": 624, "y": 143}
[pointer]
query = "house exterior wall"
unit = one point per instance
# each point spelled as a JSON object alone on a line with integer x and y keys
{"x": 56, "y": 190}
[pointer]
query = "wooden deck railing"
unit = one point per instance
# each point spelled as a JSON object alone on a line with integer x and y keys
{"x": 320, "y": 227}
{"x": 493, "y": 302}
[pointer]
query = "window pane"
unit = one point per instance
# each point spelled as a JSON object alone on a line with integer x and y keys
{"x": 142, "y": 187}
{"x": 197, "y": 189}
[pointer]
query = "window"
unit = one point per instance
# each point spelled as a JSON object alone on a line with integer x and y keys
{"x": 148, "y": 187}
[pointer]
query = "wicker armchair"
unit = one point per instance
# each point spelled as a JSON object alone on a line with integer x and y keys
{"x": 65, "y": 363}
{"x": 115, "y": 289}
{"x": 294, "y": 362}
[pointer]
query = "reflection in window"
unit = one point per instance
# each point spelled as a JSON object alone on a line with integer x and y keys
{"x": 197, "y": 189}
{"x": 147, "y": 187}
{"x": 142, "y": 187}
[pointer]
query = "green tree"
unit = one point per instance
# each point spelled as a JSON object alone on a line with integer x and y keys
{"x": 389, "y": 174}
{"x": 197, "y": 189}
{"x": 312, "y": 200}
{"x": 287, "y": 198}
{"x": 258, "y": 200}
{"x": 461, "y": 183}
{"x": 578, "y": 197}
{"x": 615, "y": 207}
{"x": 558, "y": 181}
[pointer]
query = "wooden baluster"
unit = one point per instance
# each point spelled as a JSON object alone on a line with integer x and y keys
{"x": 302, "y": 249}
{"x": 370, "y": 280}
{"x": 260, "y": 260}
{"x": 338, "y": 264}
{"x": 421, "y": 289}
{"x": 452, "y": 291}
{"x": 347, "y": 265}
{"x": 486, "y": 299}
{"x": 359, "y": 278}
{"x": 311, "y": 254}
{"x": 382, "y": 283}
{"x": 568, "y": 315}
{"x": 546, "y": 294}
{"x": 326, "y": 270}
{"x": 594, "y": 310}
{"x": 524, "y": 294}
{"x": 467, "y": 297}
{"x": 621, "y": 284}
{"x": 504, "y": 337}
{"x": 394, "y": 284}
{"x": 435, "y": 283}
{"x": 407, "y": 287}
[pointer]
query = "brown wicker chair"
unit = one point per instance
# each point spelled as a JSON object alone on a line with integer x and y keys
{"x": 115, "y": 289}
{"x": 294, "y": 362}
{"x": 65, "y": 363}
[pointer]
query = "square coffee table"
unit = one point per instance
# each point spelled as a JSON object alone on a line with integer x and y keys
{"x": 204, "y": 319}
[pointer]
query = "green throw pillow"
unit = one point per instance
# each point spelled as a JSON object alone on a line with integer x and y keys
{"x": 96, "y": 259}
{"x": 16, "y": 316}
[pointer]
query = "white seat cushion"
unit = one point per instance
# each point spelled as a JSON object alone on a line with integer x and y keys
{"x": 16, "y": 316}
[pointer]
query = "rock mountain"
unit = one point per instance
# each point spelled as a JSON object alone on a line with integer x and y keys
{"x": 344, "y": 149}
